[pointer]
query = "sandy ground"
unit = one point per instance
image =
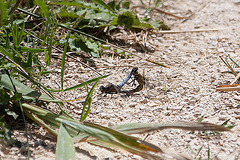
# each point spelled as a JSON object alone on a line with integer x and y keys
{"x": 185, "y": 91}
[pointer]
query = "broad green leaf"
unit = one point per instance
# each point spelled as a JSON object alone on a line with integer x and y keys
{"x": 27, "y": 92}
{"x": 100, "y": 2}
{"x": 89, "y": 46}
{"x": 65, "y": 148}
{"x": 78, "y": 45}
{"x": 129, "y": 20}
{"x": 126, "y": 19}
{"x": 95, "y": 47}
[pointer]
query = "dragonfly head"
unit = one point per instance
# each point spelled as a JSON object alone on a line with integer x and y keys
{"x": 102, "y": 88}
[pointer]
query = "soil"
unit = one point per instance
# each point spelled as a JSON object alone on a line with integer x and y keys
{"x": 186, "y": 91}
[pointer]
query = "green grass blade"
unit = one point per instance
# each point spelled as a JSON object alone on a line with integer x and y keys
{"x": 44, "y": 9}
{"x": 15, "y": 6}
{"x": 63, "y": 60}
{"x": 4, "y": 14}
{"x": 100, "y": 2}
{"x": 200, "y": 149}
{"x": 29, "y": 13}
{"x": 21, "y": 33}
{"x": 65, "y": 148}
{"x": 85, "y": 83}
{"x": 234, "y": 62}
{"x": 88, "y": 102}
{"x": 101, "y": 133}
{"x": 27, "y": 49}
{"x": 116, "y": 138}
{"x": 147, "y": 127}
{"x": 103, "y": 136}
{"x": 79, "y": 85}
{"x": 39, "y": 121}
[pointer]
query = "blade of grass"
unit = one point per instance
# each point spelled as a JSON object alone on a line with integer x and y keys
{"x": 65, "y": 147}
{"x": 63, "y": 59}
{"x": 39, "y": 121}
{"x": 44, "y": 9}
{"x": 108, "y": 135}
{"x": 3, "y": 11}
{"x": 80, "y": 85}
{"x": 229, "y": 66}
{"x": 198, "y": 152}
{"x": 21, "y": 34}
{"x": 100, "y": 2}
{"x": 104, "y": 134}
{"x": 88, "y": 102}
{"x": 234, "y": 62}
{"x": 29, "y": 13}
{"x": 208, "y": 152}
{"x": 14, "y": 7}
{"x": 135, "y": 128}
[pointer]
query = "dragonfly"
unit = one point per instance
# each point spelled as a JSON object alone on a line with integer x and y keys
{"x": 114, "y": 89}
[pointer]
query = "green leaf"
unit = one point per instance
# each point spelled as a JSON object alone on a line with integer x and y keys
{"x": 95, "y": 48}
{"x": 126, "y": 19}
{"x": 65, "y": 147}
{"x": 108, "y": 137}
{"x": 27, "y": 49}
{"x": 11, "y": 113}
{"x": 88, "y": 102}
{"x": 78, "y": 45}
{"x": 44, "y": 8}
{"x": 63, "y": 60}
{"x": 66, "y": 15}
{"x": 112, "y": 4}
{"x": 146, "y": 127}
{"x": 27, "y": 92}
{"x": 5, "y": 134}
{"x": 90, "y": 46}
{"x": 100, "y": 2}
{"x": 4, "y": 14}
{"x": 126, "y": 5}
{"x": 4, "y": 96}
